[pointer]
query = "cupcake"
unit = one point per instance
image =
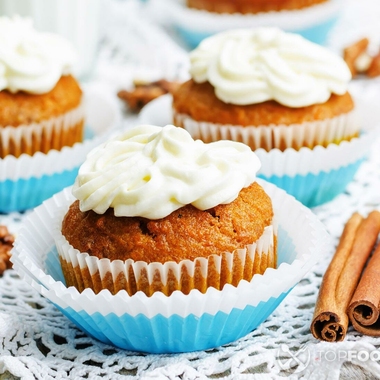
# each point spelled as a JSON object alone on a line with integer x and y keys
{"x": 268, "y": 89}
{"x": 285, "y": 97}
{"x": 40, "y": 102}
{"x": 179, "y": 322}
{"x": 250, "y": 6}
{"x": 196, "y": 20}
{"x": 158, "y": 211}
{"x": 47, "y": 123}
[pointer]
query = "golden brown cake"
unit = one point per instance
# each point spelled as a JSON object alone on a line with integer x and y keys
{"x": 250, "y": 6}
{"x": 268, "y": 89}
{"x": 24, "y": 109}
{"x": 40, "y": 101}
{"x": 186, "y": 233}
{"x": 191, "y": 246}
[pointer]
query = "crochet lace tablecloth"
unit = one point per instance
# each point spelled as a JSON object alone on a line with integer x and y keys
{"x": 38, "y": 342}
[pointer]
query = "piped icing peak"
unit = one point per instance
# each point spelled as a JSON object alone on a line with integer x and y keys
{"x": 249, "y": 66}
{"x": 31, "y": 61}
{"x": 150, "y": 171}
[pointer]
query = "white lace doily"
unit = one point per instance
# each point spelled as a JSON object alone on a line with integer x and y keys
{"x": 38, "y": 342}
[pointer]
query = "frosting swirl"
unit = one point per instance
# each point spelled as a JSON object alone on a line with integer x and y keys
{"x": 31, "y": 61}
{"x": 151, "y": 171}
{"x": 248, "y": 66}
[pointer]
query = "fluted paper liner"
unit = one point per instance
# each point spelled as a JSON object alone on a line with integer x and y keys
{"x": 54, "y": 133}
{"x": 178, "y": 322}
{"x": 267, "y": 137}
{"x": 84, "y": 271}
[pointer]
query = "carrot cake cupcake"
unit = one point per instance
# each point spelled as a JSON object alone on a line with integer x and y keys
{"x": 195, "y": 20}
{"x": 158, "y": 211}
{"x": 285, "y": 97}
{"x": 250, "y": 6}
{"x": 40, "y": 101}
{"x": 159, "y": 323}
{"x": 268, "y": 89}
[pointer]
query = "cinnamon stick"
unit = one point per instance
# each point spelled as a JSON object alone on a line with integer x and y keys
{"x": 363, "y": 310}
{"x": 330, "y": 320}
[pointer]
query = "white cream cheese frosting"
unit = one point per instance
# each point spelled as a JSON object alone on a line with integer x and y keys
{"x": 150, "y": 171}
{"x": 249, "y": 66}
{"x": 31, "y": 61}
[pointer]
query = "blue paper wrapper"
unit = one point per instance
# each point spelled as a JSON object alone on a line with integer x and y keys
{"x": 193, "y": 25}
{"x": 178, "y": 323}
{"x": 317, "y": 33}
{"x": 315, "y": 189}
{"x": 24, "y": 194}
{"x": 316, "y": 176}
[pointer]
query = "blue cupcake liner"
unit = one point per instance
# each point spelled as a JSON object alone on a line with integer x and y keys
{"x": 315, "y": 189}
{"x": 174, "y": 334}
{"x": 179, "y": 323}
{"x": 317, "y": 33}
{"x": 25, "y": 194}
{"x": 193, "y": 25}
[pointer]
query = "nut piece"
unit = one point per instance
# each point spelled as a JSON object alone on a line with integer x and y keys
{"x": 374, "y": 68}
{"x": 6, "y": 244}
{"x": 143, "y": 93}
{"x": 353, "y": 52}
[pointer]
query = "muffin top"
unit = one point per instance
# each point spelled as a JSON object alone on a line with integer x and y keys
{"x": 249, "y": 66}
{"x": 150, "y": 172}
{"x": 186, "y": 233}
{"x": 198, "y": 100}
{"x": 21, "y": 108}
{"x": 155, "y": 194}
{"x": 31, "y": 61}
{"x": 250, "y": 6}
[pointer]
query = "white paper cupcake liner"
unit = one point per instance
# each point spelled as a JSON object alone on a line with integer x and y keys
{"x": 26, "y": 181}
{"x": 85, "y": 271}
{"x": 296, "y": 136}
{"x": 54, "y": 133}
{"x": 194, "y": 25}
{"x": 179, "y": 322}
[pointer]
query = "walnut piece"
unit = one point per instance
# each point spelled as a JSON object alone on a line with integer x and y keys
{"x": 360, "y": 61}
{"x": 353, "y": 52}
{"x": 374, "y": 68}
{"x": 6, "y": 244}
{"x": 143, "y": 93}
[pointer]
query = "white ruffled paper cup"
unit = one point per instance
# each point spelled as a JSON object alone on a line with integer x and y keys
{"x": 296, "y": 136}
{"x": 84, "y": 271}
{"x": 178, "y": 323}
{"x": 26, "y": 181}
{"x": 54, "y": 133}
{"x": 193, "y": 25}
{"x": 313, "y": 176}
